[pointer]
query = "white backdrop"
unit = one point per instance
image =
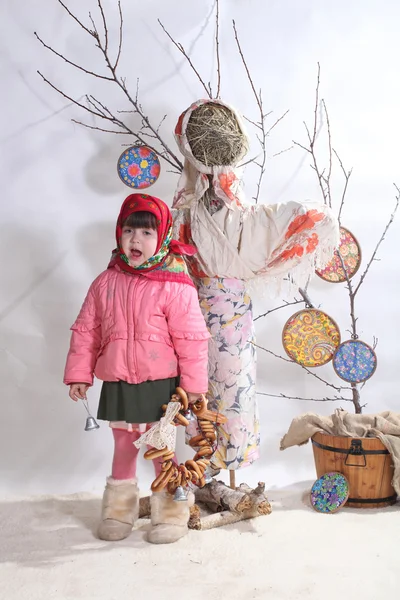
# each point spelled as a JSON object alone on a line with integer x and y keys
{"x": 61, "y": 195}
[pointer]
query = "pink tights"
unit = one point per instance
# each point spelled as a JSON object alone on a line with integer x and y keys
{"x": 125, "y": 455}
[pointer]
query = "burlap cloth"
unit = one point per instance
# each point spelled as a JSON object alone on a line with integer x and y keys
{"x": 384, "y": 425}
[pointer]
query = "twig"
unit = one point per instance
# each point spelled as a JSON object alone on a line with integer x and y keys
{"x": 380, "y": 241}
{"x": 104, "y": 25}
{"x": 75, "y": 18}
{"x": 335, "y": 387}
{"x": 347, "y": 177}
{"x": 217, "y": 51}
{"x": 283, "y": 151}
{"x": 328, "y": 177}
{"x": 100, "y": 128}
{"x": 70, "y": 61}
{"x": 182, "y": 50}
{"x": 313, "y": 140}
{"x": 96, "y": 114}
{"x": 276, "y": 122}
{"x": 246, "y": 67}
{"x": 121, "y": 23}
{"x": 325, "y": 399}
{"x": 306, "y": 298}
{"x": 277, "y": 308}
{"x": 261, "y": 124}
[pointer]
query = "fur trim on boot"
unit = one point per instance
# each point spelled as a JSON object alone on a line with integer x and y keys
{"x": 120, "y": 509}
{"x": 169, "y": 519}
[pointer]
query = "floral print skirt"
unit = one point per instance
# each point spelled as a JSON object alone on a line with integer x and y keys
{"x": 227, "y": 309}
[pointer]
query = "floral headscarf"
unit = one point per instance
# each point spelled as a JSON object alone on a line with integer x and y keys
{"x": 194, "y": 181}
{"x": 167, "y": 262}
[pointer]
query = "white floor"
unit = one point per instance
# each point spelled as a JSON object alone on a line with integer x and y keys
{"x": 48, "y": 551}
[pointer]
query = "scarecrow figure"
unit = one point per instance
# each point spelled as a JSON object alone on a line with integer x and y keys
{"x": 238, "y": 246}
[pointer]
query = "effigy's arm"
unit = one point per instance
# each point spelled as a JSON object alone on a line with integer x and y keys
{"x": 295, "y": 237}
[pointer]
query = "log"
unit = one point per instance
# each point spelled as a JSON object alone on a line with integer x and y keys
{"x": 258, "y": 498}
{"x": 218, "y": 497}
{"x": 222, "y": 518}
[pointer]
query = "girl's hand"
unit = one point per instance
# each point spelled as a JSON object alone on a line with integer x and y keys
{"x": 193, "y": 397}
{"x": 77, "y": 391}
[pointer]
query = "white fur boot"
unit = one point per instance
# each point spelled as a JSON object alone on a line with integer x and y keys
{"x": 169, "y": 519}
{"x": 120, "y": 509}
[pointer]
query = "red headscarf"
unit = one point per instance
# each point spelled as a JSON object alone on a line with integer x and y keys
{"x": 160, "y": 265}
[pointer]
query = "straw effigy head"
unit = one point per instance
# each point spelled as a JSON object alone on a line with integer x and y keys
{"x": 215, "y": 136}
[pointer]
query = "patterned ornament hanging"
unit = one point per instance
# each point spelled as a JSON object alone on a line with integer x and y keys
{"x": 329, "y": 493}
{"x": 350, "y": 251}
{"x": 310, "y": 337}
{"x": 138, "y": 167}
{"x": 354, "y": 361}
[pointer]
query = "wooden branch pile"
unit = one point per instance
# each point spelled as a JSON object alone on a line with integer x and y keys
{"x": 221, "y": 505}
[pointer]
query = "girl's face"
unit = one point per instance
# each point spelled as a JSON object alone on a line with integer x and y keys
{"x": 138, "y": 245}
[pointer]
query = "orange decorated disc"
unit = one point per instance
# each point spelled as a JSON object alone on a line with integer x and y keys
{"x": 310, "y": 337}
{"x": 350, "y": 252}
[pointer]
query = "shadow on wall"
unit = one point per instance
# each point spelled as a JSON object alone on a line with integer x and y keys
{"x": 41, "y": 438}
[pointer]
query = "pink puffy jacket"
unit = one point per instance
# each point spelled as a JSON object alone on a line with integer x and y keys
{"x": 136, "y": 329}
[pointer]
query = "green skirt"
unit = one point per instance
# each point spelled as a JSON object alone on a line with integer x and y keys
{"x": 135, "y": 402}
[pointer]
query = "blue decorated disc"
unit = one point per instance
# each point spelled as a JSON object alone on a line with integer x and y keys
{"x": 354, "y": 361}
{"x": 329, "y": 493}
{"x": 138, "y": 167}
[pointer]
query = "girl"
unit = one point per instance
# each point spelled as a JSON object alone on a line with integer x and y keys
{"x": 141, "y": 331}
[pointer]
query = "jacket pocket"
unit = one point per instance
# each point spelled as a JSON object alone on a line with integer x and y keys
{"x": 111, "y": 337}
{"x": 154, "y": 337}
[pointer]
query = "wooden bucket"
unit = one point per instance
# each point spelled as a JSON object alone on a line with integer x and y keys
{"x": 366, "y": 464}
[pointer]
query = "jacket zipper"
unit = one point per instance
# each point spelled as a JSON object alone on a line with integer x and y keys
{"x": 131, "y": 328}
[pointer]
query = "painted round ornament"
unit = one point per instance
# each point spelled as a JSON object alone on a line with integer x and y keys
{"x": 354, "y": 361}
{"x": 138, "y": 167}
{"x": 310, "y": 337}
{"x": 350, "y": 251}
{"x": 329, "y": 493}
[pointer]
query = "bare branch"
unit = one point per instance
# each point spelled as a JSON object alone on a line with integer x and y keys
{"x": 121, "y": 24}
{"x": 306, "y": 298}
{"x": 379, "y": 242}
{"x": 96, "y": 114}
{"x": 76, "y": 18}
{"x": 328, "y": 177}
{"x": 249, "y": 161}
{"x": 312, "y": 140}
{"x": 347, "y": 177}
{"x": 247, "y": 70}
{"x": 252, "y": 122}
{"x": 70, "y": 61}
{"x": 217, "y": 51}
{"x": 302, "y": 147}
{"x": 104, "y": 25}
{"x": 261, "y": 124}
{"x": 100, "y": 129}
{"x": 182, "y": 50}
{"x": 335, "y": 387}
{"x": 96, "y": 103}
{"x": 356, "y": 398}
{"x": 276, "y": 122}
{"x": 278, "y": 307}
{"x": 95, "y": 32}
{"x": 326, "y": 399}
{"x": 316, "y": 108}
{"x": 282, "y": 151}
